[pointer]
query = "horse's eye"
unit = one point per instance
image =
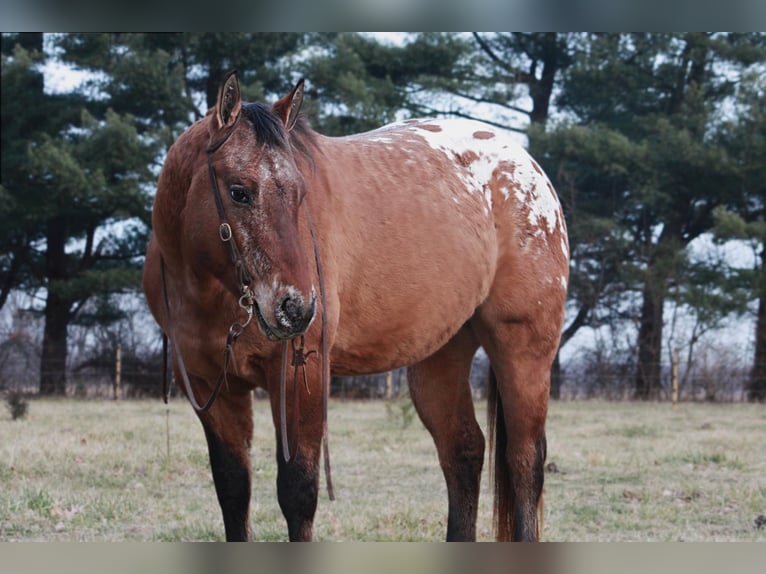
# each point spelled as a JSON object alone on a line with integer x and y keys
{"x": 240, "y": 194}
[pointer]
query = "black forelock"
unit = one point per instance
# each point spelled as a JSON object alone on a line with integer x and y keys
{"x": 270, "y": 131}
{"x": 268, "y": 127}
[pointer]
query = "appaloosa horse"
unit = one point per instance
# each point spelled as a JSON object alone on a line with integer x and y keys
{"x": 409, "y": 245}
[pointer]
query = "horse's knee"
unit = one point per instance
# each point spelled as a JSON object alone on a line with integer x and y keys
{"x": 297, "y": 491}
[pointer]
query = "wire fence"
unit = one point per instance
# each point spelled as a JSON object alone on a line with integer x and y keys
{"x": 113, "y": 373}
{"x": 614, "y": 383}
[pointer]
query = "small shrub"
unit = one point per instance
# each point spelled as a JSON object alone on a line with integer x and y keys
{"x": 17, "y": 405}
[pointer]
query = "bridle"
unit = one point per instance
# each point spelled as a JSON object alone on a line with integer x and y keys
{"x": 247, "y": 304}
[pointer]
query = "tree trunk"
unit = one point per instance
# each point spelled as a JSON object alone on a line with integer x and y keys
{"x": 650, "y": 339}
{"x": 57, "y": 313}
{"x": 54, "y": 355}
{"x": 661, "y": 267}
{"x": 556, "y": 378}
{"x": 756, "y": 390}
{"x": 541, "y": 90}
{"x": 9, "y": 280}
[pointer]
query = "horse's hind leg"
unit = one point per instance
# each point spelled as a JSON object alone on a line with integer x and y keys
{"x": 442, "y": 396}
{"x": 229, "y": 430}
{"x": 520, "y": 356}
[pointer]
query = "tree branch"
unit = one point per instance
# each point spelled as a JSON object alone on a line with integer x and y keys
{"x": 87, "y": 255}
{"x": 577, "y": 322}
{"x": 480, "y": 100}
{"x": 487, "y": 49}
{"x": 459, "y": 114}
{"x": 516, "y": 75}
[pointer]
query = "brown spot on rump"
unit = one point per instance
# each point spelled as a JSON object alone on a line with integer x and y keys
{"x": 430, "y": 128}
{"x": 482, "y": 135}
{"x": 537, "y": 167}
{"x": 410, "y": 122}
{"x": 466, "y": 158}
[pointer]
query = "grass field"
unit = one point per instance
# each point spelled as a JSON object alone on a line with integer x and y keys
{"x": 109, "y": 471}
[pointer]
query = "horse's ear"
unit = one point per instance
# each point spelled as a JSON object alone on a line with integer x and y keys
{"x": 287, "y": 108}
{"x": 229, "y": 103}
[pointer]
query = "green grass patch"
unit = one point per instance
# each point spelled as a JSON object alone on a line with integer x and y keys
{"x": 703, "y": 459}
{"x": 639, "y": 431}
{"x": 40, "y": 501}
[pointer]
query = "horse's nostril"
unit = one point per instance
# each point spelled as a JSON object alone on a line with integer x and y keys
{"x": 290, "y": 313}
{"x": 291, "y": 309}
{"x": 293, "y": 315}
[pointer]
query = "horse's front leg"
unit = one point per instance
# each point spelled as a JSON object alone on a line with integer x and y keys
{"x": 228, "y": 428}
{"x": 298, "y": 478}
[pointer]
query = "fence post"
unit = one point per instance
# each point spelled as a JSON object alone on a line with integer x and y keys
{"x": 118, "y": 373}
{"x": 674, "y": 378}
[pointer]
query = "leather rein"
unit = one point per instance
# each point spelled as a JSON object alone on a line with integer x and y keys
{"x": 247, "y": 304}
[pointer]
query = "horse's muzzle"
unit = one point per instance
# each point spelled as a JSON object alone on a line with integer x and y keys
{"x": 292, "y": 316}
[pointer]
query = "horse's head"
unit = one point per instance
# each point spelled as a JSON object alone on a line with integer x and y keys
{"x": 254, "y": 173}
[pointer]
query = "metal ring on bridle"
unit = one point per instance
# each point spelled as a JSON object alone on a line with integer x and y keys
{"x": 246, "y": 301}
{"x": 246, "y": 304}
{"x": 237, "y": 328}
{"x": 224, "y": 232}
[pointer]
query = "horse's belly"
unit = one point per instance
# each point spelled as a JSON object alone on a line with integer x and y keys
{"x": 403, "y": 338}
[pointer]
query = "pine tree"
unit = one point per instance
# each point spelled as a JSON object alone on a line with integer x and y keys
{"x": 746, "y": 135}
{"x": 663, "y": 95}
{"x": 72, "y": 170}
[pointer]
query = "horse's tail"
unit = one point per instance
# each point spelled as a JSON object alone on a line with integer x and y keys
{"x": 503, "y": 506}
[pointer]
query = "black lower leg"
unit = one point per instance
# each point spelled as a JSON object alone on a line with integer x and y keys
{"x": 463, "y": 489}
{"x": 232, "y": 485}
{"x": 297, "y": 490}
{"x": 525, "y": 519}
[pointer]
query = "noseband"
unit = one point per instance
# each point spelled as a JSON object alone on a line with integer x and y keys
{"x": 247, "y": 304}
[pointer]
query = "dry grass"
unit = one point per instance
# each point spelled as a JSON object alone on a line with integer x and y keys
{"x": 101, "y": 471}
{"x": 644, "y": 472}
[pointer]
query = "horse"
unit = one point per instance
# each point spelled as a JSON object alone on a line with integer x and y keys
{"x": 409, "y": 245}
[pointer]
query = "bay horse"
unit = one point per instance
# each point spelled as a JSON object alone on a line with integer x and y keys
{"x": 410, "y": 245}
